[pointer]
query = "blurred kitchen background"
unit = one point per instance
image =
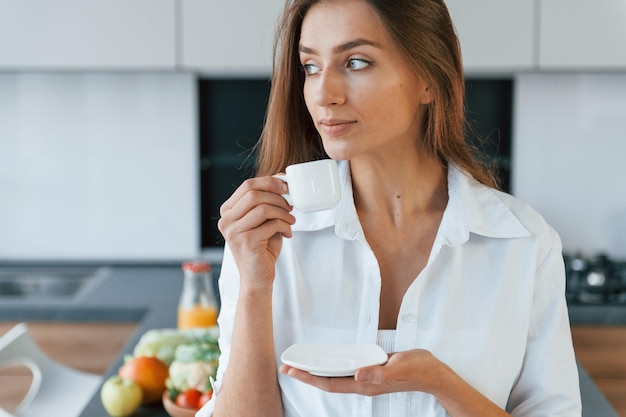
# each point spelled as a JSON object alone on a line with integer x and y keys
{"x": 124, "y": 124}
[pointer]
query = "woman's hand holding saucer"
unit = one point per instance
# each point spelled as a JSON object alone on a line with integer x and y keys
{"x": 412, "y": 370}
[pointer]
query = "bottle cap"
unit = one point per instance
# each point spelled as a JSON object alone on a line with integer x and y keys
{"x": 196, "y": 266}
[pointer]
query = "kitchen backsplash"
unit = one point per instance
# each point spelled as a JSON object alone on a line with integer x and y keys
{"x": 569, "y": 152}
{"x": 98, "y": 166}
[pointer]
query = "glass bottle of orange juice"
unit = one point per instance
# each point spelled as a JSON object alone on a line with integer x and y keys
{"x": 197, "y": 307}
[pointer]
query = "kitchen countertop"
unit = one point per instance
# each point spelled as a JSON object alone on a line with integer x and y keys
{"x": 597, "y": 314}
{"x": 156, "y": 290}
{"x": 148, "y": 295}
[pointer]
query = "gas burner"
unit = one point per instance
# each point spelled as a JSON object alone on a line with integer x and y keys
{"x": 598, "y": 280}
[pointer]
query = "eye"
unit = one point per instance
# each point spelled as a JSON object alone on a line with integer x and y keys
{"x": 358, "y": 63}
{"x": 310, "y": 69}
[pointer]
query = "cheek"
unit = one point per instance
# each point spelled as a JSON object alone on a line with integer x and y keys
{"x": 366, "y": 99}
{"x": 308, "y": 98}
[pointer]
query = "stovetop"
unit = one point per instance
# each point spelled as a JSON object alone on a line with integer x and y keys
{"x": 597, "y": 280}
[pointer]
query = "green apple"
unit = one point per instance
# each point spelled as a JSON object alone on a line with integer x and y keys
{"x": 120, "y": 396}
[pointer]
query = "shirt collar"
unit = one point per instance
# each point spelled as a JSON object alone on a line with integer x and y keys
{"x": 475, "y": 208}
{"x": 472, "y": 208}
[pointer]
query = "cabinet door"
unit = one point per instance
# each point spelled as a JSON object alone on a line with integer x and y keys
{"x": 582, "y": 34}
{"x": 228, "y": 37}
{"x": 600, "y": 350}
{"x": 495, "y": 35}
{"x": 95, "y": 34}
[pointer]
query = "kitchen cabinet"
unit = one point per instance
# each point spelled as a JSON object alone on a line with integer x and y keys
{"x": 495, "y": 35}
{"x": 97, "y": 34}
{"x": 601, "y": 350}
{"x": 519, "y": 35}
{"x": 90, "y": 347}
{"x": 579, "y": 34}
{"x": 228, "y": 37}
{"x": 236, "y": 38}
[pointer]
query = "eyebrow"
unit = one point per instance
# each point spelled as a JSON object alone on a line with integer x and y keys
{"x": 341, "y": 48}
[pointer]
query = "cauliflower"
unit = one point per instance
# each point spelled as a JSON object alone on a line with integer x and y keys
{"x": 163, "y": 343}
{"x": 191, "y": 375}
{"x": 193, "y": 366}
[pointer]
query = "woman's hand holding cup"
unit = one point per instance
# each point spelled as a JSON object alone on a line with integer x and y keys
{"x": 253, "y": 221}
{"x": 257, "y": 216}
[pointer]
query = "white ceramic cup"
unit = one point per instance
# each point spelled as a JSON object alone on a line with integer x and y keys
{"x": 313, "y": 186}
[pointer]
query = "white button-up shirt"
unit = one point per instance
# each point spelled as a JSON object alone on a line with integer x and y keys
{"x": 490, "y": 303}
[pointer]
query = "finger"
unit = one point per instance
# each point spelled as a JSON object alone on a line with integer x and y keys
{"x": 334, "y": 384}
{"x": 256, "y": 198}
{"x": 370, "y": 374}
{"x": 253, "y": 209}
{"x": 269, "y": 185}
{"x": 262, "y": 234}
{"x": 274, "y": 219}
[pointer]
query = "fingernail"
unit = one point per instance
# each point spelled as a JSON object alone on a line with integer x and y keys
{"x": 283, "y": 188}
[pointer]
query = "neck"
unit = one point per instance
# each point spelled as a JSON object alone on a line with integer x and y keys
{"x": 387, "y": 188}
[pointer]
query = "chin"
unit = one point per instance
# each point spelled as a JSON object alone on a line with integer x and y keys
{"x": 338, "y": 153}
{"x": 338, "y": 157}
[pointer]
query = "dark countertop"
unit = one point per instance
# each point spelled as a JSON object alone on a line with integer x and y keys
{"x": 597, "y": 314}
{"x": 148, "y": 295}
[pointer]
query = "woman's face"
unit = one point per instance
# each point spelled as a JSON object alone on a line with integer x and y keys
{"x": 363, "y": 96}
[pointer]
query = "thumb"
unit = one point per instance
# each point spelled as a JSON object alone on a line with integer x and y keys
{"x": 370, "y": 374}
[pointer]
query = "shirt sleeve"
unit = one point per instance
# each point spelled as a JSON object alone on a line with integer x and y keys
{"x": 548, "y": 381}
{"x": 229, "y": 292}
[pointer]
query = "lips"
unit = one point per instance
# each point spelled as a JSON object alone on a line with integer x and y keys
{"x": 335, "y": 127}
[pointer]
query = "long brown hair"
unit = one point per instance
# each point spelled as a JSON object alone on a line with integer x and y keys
{"x": 424, "y": 32}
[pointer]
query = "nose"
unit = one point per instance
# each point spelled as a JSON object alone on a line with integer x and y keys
{"x": 330, "y": 89}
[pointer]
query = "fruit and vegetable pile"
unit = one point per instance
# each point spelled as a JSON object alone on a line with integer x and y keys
{"x": 179, "y": 362}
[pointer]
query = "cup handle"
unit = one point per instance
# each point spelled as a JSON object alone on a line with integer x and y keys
{"x": 283, "y": 178}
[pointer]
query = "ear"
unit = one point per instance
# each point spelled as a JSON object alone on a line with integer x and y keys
{"x": 426, "y": 96}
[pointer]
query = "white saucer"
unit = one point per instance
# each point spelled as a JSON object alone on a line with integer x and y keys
{"x": 333, "y": 360}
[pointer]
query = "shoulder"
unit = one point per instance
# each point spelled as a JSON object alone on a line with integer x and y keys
{"x": 540, "y": 231}
{"x": 525, "y": 213}
{"x": 497, "y": 214}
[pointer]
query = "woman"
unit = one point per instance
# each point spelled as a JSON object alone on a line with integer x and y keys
{"x": 462, "y": 285}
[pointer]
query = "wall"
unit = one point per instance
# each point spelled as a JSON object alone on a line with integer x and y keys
{"x": 569, "y": 156}
{"x": 98, "y": 166}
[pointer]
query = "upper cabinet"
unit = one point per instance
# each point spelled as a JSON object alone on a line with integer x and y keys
{"x": 582, "y": 34}
{"x": 95, "y": 34}
{"x": 495, "y": 35}
{"x": 225, "y": 37}
{"x": 235, "y": 38}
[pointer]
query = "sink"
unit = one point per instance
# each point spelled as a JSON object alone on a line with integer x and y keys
{"x": 46, "y": 283}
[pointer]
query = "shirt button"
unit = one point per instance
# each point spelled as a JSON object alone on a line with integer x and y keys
{"x": 409, "y": 318}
